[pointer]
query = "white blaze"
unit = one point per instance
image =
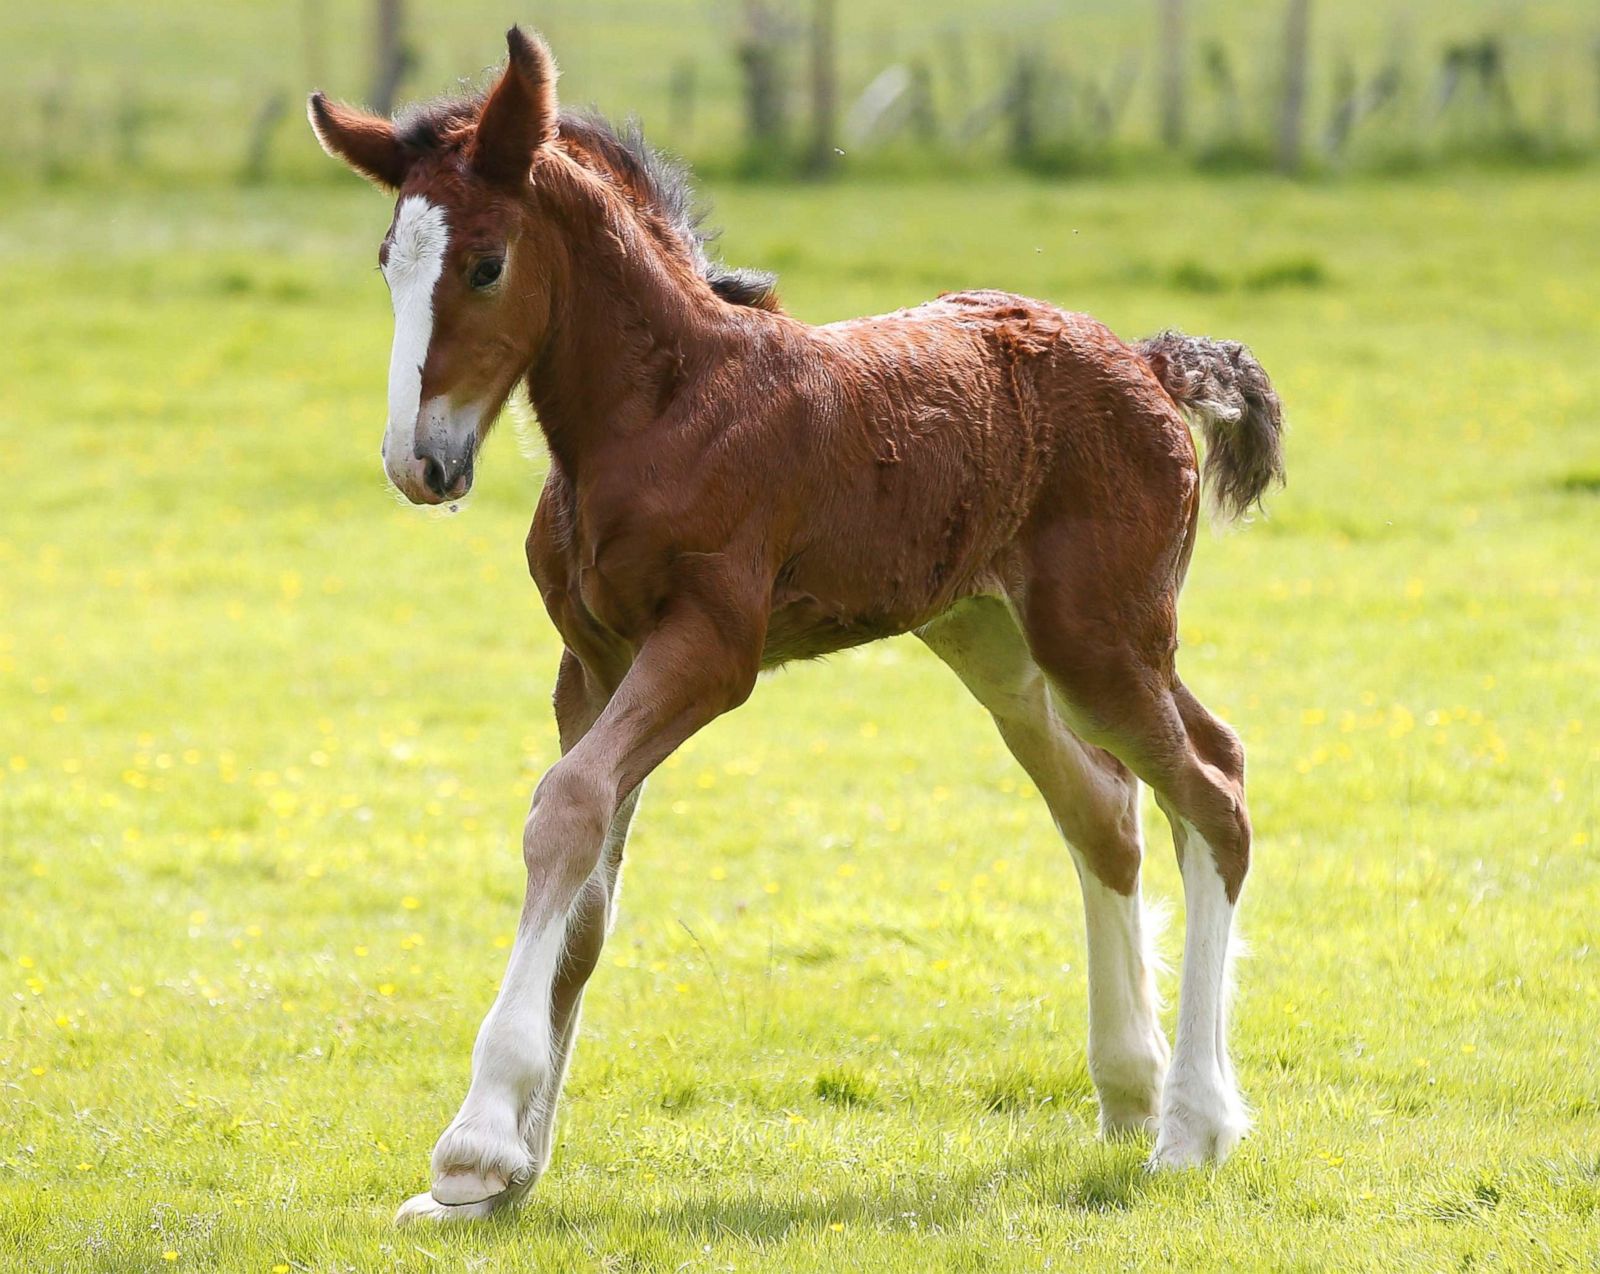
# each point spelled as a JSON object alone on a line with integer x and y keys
{"x": 416, "y": 258}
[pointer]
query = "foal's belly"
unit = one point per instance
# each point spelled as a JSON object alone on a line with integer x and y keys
{"x": 895, "y": 553}
{"x": 805, "y": 630}
{"x": 803, "y": 626}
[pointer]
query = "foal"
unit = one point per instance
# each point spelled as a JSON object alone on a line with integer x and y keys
{"x": 730, "y": 488}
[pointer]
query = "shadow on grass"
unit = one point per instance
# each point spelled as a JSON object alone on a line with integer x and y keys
{"x": 1111, "y": 1179}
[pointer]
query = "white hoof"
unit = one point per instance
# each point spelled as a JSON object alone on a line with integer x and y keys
{"x": 1191, "y": 1136}
{"x": 478, "y": 1160}
{"x": 463, "y": 1186}
{"x": 425, "y": 1208}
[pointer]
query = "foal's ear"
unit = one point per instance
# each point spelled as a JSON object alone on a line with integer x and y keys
{"x": 520, "y": 115}
{"x": 366, "y": 142}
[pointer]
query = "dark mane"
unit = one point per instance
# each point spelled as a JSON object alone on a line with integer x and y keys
{"x": 655, "y": 181}
{"x": 663, "y": 184}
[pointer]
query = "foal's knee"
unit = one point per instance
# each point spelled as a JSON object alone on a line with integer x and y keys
{"x": 566, "y": 827}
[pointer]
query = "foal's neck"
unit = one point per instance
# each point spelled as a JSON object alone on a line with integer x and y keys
{"x": 629, "y": 325}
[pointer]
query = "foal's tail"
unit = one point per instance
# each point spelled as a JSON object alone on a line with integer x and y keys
{"x": 1221, "y": 387}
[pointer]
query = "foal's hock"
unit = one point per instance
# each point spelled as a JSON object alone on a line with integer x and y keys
{"x": 730, "y": 488}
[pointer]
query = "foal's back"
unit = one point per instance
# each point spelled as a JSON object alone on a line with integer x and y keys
{"x": 949, "y": 444}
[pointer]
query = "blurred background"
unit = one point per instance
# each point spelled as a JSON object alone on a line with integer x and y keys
{"x": 267, "y": 736}
{"x": 179, "y": 88}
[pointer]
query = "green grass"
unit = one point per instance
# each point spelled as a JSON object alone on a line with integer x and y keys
{"x": 268, "y": 740}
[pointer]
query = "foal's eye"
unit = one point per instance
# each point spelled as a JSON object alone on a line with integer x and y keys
{"x": 486, "y": 272}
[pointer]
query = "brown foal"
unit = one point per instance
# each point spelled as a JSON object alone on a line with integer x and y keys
{"x": 730, "y": 488}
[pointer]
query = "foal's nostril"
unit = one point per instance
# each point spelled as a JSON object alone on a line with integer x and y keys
{"x": 433, "y": 474}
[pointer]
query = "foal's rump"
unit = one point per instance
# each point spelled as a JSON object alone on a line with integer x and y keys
{"x": 975, "y": 439}
{"x": 1073, "y": 360}
{"x": 1003, "y": 378}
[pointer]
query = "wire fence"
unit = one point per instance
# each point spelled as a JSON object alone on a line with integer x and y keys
{"x": 183, "y": 89}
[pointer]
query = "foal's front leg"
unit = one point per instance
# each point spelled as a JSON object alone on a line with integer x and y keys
{"x": 684, "y": 676}
{"x": 589, "y": 922}
{"x": 579, "y": 699}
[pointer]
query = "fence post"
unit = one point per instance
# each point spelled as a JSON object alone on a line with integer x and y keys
{"x": 824, "y": 88}
{"x": 923, "y": 115}
{"x": 1291, "y": 119}
{"x": 258, "y": 150}
{"x": 55, "y": 96}
{"x": 391, "y": 57}
{"x": 759, "y": 64}
{"x": 1597, "y": 79}
{"x": 681, "y": 95}
{"x": 313, "y": 35}
{"x": 1022, "y": 106}
{"x": 1172, "y": 74}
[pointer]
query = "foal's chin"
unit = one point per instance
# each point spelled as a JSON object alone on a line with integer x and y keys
{"x": 425, "y": 498}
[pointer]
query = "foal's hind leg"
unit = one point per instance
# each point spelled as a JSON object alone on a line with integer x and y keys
{"x": 1095, "y": 803}
{"x": 1111, "y": 664}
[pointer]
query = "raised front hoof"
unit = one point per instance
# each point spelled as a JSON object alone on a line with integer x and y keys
{"x": 462, "y": 1186}
{"x": 1193, "y": 1139}
{"x": 425, "y": 1209}
{"x": 480, "y": 1160}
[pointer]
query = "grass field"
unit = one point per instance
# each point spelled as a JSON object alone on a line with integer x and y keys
{"x": 267, "y": 739}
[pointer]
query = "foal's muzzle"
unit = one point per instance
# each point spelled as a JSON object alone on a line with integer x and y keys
{"x": 446, "y": 473}
{"x": 433, "y": 474}
{"x": 430, "y": 458}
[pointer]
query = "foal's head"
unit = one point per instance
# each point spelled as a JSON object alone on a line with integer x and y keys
{"x": 463, "y": 259}
{"x": 502, "y": 202}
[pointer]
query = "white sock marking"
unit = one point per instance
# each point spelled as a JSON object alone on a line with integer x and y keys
{"x": 1202, "y": 1115}
{"x": 1127, "y": 1050}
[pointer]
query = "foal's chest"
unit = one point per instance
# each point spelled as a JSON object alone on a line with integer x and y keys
{"x": 602, "y": 577}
